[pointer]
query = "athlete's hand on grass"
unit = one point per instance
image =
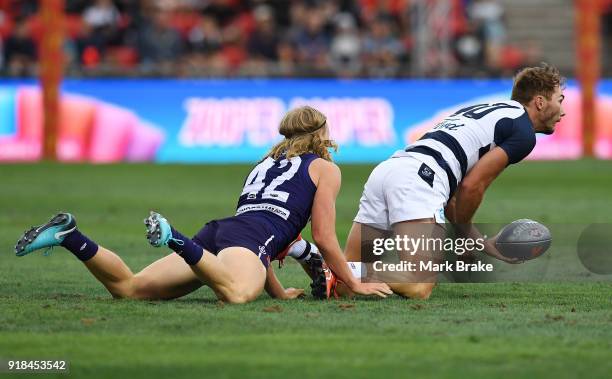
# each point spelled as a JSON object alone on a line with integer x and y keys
{"x": 378, "y": 289}
{"x": 293, "y": 293}
{"x": 275, "y": 289}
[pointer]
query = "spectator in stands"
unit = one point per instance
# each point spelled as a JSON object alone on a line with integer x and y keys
{"x": 263, "y": 37}
{"x": 205, "y": 37}
{"x": 606, "y": 48}
{"x": 204, "y": 42}
{"x": 102, "y": 15}
{"x": 263, "y": 41}
{"x": 488, "y": 18}
{"x": 224, "y": 11}
{"x": 20, "y": 51}
{"x": 345, "y": 47}
{"x": 3, "y": 21}
{"x": 383, "y": 51}
{"x": 469, "y": 52}
{"x": 1, "y": 56}
{"x": 25, "y": 8}
{"x": 100, "y": 29}
{"x": 159, "y": 44}
{"x": 286, "y": 59}
{"x": 309, "y": 36}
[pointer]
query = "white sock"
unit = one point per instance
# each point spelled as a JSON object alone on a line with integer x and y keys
{"x": 302, "y": 251}
{"x": 358, "y": 269}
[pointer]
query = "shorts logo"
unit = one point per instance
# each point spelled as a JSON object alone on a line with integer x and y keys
{"x": 427, "y": 174}
{"x": 440, "y": 216}
{"x": 262, "y": 251}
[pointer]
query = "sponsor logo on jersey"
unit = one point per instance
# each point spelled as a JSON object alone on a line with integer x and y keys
{"x": 267, "y": 207}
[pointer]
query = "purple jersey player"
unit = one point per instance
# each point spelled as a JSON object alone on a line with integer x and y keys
{"x": 294, "y": 183}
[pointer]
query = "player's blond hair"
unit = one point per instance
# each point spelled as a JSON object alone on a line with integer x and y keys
{"x": 300, "y": 127}
{"x": 533, "y": 81}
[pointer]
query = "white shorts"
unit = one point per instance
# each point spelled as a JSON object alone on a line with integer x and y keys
{"x": 405, "y": 188}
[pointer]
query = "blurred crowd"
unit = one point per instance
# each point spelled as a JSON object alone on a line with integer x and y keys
{"x": 606, "y": 47}
{"x": 344, "y": 38}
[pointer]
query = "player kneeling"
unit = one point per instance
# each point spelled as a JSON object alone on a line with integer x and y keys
{"x": 447, "y": 172}
{"x": 295, "y": 182}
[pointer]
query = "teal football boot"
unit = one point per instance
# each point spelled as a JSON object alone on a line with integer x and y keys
{"x": 159, "y": 232}
{"x": 47, "y": 235}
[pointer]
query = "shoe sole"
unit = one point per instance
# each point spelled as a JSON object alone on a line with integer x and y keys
{"x": 318, "y": 286}
{"x": 29, "y": 236}
{"x": 153, "y": 230}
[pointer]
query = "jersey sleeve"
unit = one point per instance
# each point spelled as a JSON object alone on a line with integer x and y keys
{"x": 516, "y": 137}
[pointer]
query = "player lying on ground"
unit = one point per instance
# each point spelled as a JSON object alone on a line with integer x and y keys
{"x": 449, "y": 169}
{"x": 295, "y": 181}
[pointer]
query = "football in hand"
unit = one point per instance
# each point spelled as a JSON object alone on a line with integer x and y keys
{"x": 523, "y": 239}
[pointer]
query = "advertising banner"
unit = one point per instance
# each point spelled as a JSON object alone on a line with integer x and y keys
{"x": 232, "y": 121}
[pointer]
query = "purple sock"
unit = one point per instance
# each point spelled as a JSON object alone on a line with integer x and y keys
{"x": 79, "y": 245}
{"x": 186, "y": 248}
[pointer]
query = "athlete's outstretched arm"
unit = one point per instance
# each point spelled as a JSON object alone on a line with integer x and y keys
{"x": 275, "y": 289}
{"x": 323, "y": 221}
{"x": 470, "y": 194}
{"x": 472, "y": 188}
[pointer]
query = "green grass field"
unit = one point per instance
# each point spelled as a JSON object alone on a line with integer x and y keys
{"x": 52, "y": 308}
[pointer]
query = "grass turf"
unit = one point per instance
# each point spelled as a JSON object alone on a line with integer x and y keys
{"x": 52, "y": 308}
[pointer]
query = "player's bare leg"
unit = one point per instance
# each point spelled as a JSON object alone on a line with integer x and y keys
{"x": 228, "y": 274}
{"x": 167, "y": 278}
{"x": 419, "y": 284}
{"x": 111, "y": 271}
{"x": 236, "y": 274}
{"x": 352, "y": 250}
{"x": 353, "y": 253}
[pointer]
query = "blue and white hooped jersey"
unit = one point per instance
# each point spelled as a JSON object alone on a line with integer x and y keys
{"x": 462, "y": 138}
{"x": 280, "y": 194}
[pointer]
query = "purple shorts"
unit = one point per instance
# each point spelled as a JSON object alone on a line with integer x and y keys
{"x": 235, "y": 232}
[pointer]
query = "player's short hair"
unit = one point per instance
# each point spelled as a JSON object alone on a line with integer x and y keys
{"x": 533, "y": 81}
{"x": 300, "y": 128}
